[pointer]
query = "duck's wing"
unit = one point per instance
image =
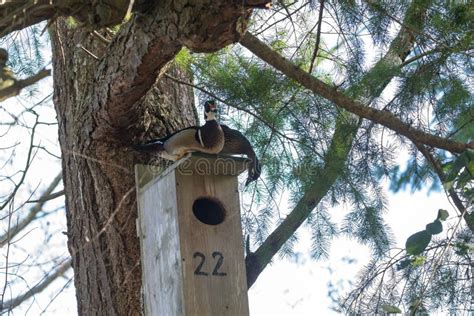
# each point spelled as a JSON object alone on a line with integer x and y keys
{"x": 157, "y": 143}
{"x": 237, "y": 144}
{"x": 165, "y": 138}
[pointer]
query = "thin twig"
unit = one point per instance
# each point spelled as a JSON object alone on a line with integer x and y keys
{"x": 47, "y": 198}
{"x": 15, "y": 88}
{"x": 100, "y": 37}
{"x": 318, "y": 35}
{"x": 40, "y": 286}
{"x": 437, "y": 263}
{"x": 27, "y": 166}
{"x": 13, "y": 231}
{"x": 7, "y": 256}
{"x": 88, "y": 52}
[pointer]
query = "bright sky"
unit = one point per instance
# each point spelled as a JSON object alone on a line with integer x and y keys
{"x": 301, "y": 287}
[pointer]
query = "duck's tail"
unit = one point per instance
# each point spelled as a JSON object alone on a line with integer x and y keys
{"x": 254, "y": 169}
{"x": 152, "y": 146}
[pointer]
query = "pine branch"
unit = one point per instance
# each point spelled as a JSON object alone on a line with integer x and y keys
{"x": 18, "y": 85}
{"x": 52, "y": 196}
{"x": 442, "y": 176}
{"x": 381, "y": 117}
{"x": 458, "y": 47}
{"x": 17, "y": 15}
{"x": 318, "y": 36}
{"x": 335, "y": 160}
{"x": 341, "y": 143}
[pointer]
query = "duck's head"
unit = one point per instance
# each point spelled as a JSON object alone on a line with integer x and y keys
{"x": 210, "y": 110}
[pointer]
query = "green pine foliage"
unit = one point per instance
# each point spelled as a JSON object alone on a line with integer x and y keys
{"x": 292, "y": 127}
{"x": 287, "y": 250}
{"x": 368, "y": 227}
{"x": 26, "y": 50}
{"x": 440, "y": 83}
{"x": 449, "y": 285}
{"x": 282, "y": 119}
{"x": 417, "y": 175}
{"x": 292, "y": 131}
{"x": 26, "y": 56}
{"x": 323, "y": 230}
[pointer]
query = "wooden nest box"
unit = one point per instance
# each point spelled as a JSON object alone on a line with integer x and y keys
{"x": 191, "y": 238}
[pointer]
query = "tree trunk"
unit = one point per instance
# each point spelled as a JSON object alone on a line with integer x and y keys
{"x": 104, "y": 105}
{"x": 98, "y": 176}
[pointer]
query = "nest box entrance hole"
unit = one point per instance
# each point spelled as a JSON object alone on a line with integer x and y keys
{"x": 209, "y": 210}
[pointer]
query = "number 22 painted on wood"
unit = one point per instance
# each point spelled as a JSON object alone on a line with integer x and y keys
{"x": 220, "y": 260}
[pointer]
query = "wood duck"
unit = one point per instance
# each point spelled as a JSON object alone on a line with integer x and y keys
{"x": 208, "y": 138}
{"x": 237, "y": 144}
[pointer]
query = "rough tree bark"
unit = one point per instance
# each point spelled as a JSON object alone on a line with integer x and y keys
{"x": 98, "y": 178}
{"x": 103, "y": 107}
